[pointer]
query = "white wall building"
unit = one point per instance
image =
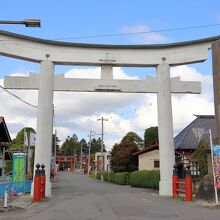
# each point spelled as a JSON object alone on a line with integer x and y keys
{"x": 106, "y": 161}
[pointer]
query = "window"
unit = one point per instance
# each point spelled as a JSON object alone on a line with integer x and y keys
{"x": 108, "y": 157}
{"x": 156, "y": 163}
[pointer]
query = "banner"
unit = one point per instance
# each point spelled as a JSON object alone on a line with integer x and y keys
{"x": 216, "y": 164}
{"x": 32, "y": 139}
{"x": 25, "y": 138}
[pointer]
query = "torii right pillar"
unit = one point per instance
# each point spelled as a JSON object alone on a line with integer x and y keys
{"x": 165, "y": 125}
{"x": 216, "y": 85}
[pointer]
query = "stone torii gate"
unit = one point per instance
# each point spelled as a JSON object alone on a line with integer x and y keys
{"x": 49, "y": 53}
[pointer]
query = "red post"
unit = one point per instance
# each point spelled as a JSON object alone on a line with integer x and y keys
{"x": 188, "y": 180}
{"x": 175, "y": 180}
{"x": 37, "y": 184}
{"x": 175, "y": 186}
{"x": 43, "y": 181}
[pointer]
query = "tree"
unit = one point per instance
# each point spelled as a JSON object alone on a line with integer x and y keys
{"x": 96, "y": 145}
{"x": 122, "y": 159}
{"x": 133, "y": 137}
{"x": 200, "y": 154}
{"x": 73, "y": 145}
{"x": 151, "y": 136}
{"x": 70, "y": 146}
{"x": 18, "y": 142}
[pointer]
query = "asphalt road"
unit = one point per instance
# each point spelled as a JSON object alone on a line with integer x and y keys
{"x": 78, "y": 197}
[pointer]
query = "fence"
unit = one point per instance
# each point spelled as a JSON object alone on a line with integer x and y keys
{"x": 182, "y": 186}
{"x": 14, "y": 187}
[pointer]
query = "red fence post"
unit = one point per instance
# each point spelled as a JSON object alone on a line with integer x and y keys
{"x": 175, "y": 180}
{"x": 43, "y": 181}
{"x": 37, "y": 184}
{"x": 188, "y": 180}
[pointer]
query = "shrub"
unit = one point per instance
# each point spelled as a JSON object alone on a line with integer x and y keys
{"x": 145, "y": 179}
{"x": 118, "y": 178}
{"x": 105, "y": 176}
{"x": 121, "y": 178}
{"x": 111, "y": 176}
{"x": 98, "y": 176}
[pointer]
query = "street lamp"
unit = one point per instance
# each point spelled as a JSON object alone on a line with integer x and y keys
{"x": 29, "y": 22}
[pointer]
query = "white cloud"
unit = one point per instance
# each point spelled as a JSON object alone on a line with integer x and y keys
{"x": 75, "y": 112}
{"x": 183, "y": 106}
{"x": 150, "y": 37}
{"x": 78, "y": 112}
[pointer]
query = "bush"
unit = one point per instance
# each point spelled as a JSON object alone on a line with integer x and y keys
{"x": 111, "y": 176}
{"x": 121, "y": 178}
{"x": 106, "y": 176}
{"x": 118, "y": 178}
{"x": 98, "y": 176}
{"x": 145, "y": 179}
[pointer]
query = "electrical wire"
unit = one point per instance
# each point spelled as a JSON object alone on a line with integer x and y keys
{"x": 34, "y": 106}
{"x": 140, "y": 32}
{"x": 134, "y": 33}
{"x": 17, "y": 97}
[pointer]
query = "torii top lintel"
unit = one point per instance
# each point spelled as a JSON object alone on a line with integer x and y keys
{"x": 35, "y": 50}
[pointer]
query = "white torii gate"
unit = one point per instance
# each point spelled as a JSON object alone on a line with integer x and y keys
{"x": 49, "y": 53}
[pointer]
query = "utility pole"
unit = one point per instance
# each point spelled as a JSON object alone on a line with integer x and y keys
{"x": 90, "y": 145}
{"x": 102, "y": 159}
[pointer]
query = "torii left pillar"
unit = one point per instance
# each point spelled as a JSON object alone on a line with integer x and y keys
{"x": 45, "y": 120}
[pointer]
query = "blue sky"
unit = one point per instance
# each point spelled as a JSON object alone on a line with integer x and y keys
{"x": 68, "y": 20}
{"x": 72, "y": 19}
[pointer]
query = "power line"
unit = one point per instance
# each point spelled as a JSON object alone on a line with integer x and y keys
{"x": 34, "y": 106}
{"x": 135, "y": 33}
{"x": 17, "y": 97}
{"x": 140, "y": 32}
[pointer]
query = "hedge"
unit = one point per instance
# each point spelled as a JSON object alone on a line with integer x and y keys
{"x": 118, "y": 178}
{"x": 145, "y": 179}
{"x": 121, "y": 178}
{"x": 142, "y": 178}
{"x": 98, "y": 176}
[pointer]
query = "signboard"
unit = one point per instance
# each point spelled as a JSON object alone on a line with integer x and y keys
{"x": 216, "y": 165}
{"x": 19, "y": 167}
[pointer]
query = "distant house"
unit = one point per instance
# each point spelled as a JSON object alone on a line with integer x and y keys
{"x": 5, "y": 140}
{"x": 106, "y": 161}
{"x": 148, "y": 158}
{"x": 185, "y": 144}
{"x": 187, "y": 140}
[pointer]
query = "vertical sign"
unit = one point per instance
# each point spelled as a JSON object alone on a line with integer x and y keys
{"x": 216, "y": 165}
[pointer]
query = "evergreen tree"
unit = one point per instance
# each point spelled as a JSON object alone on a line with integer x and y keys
{"x": 151, "y": 136}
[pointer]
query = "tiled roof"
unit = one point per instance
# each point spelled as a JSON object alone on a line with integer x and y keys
{"x": 197, "y": 130}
